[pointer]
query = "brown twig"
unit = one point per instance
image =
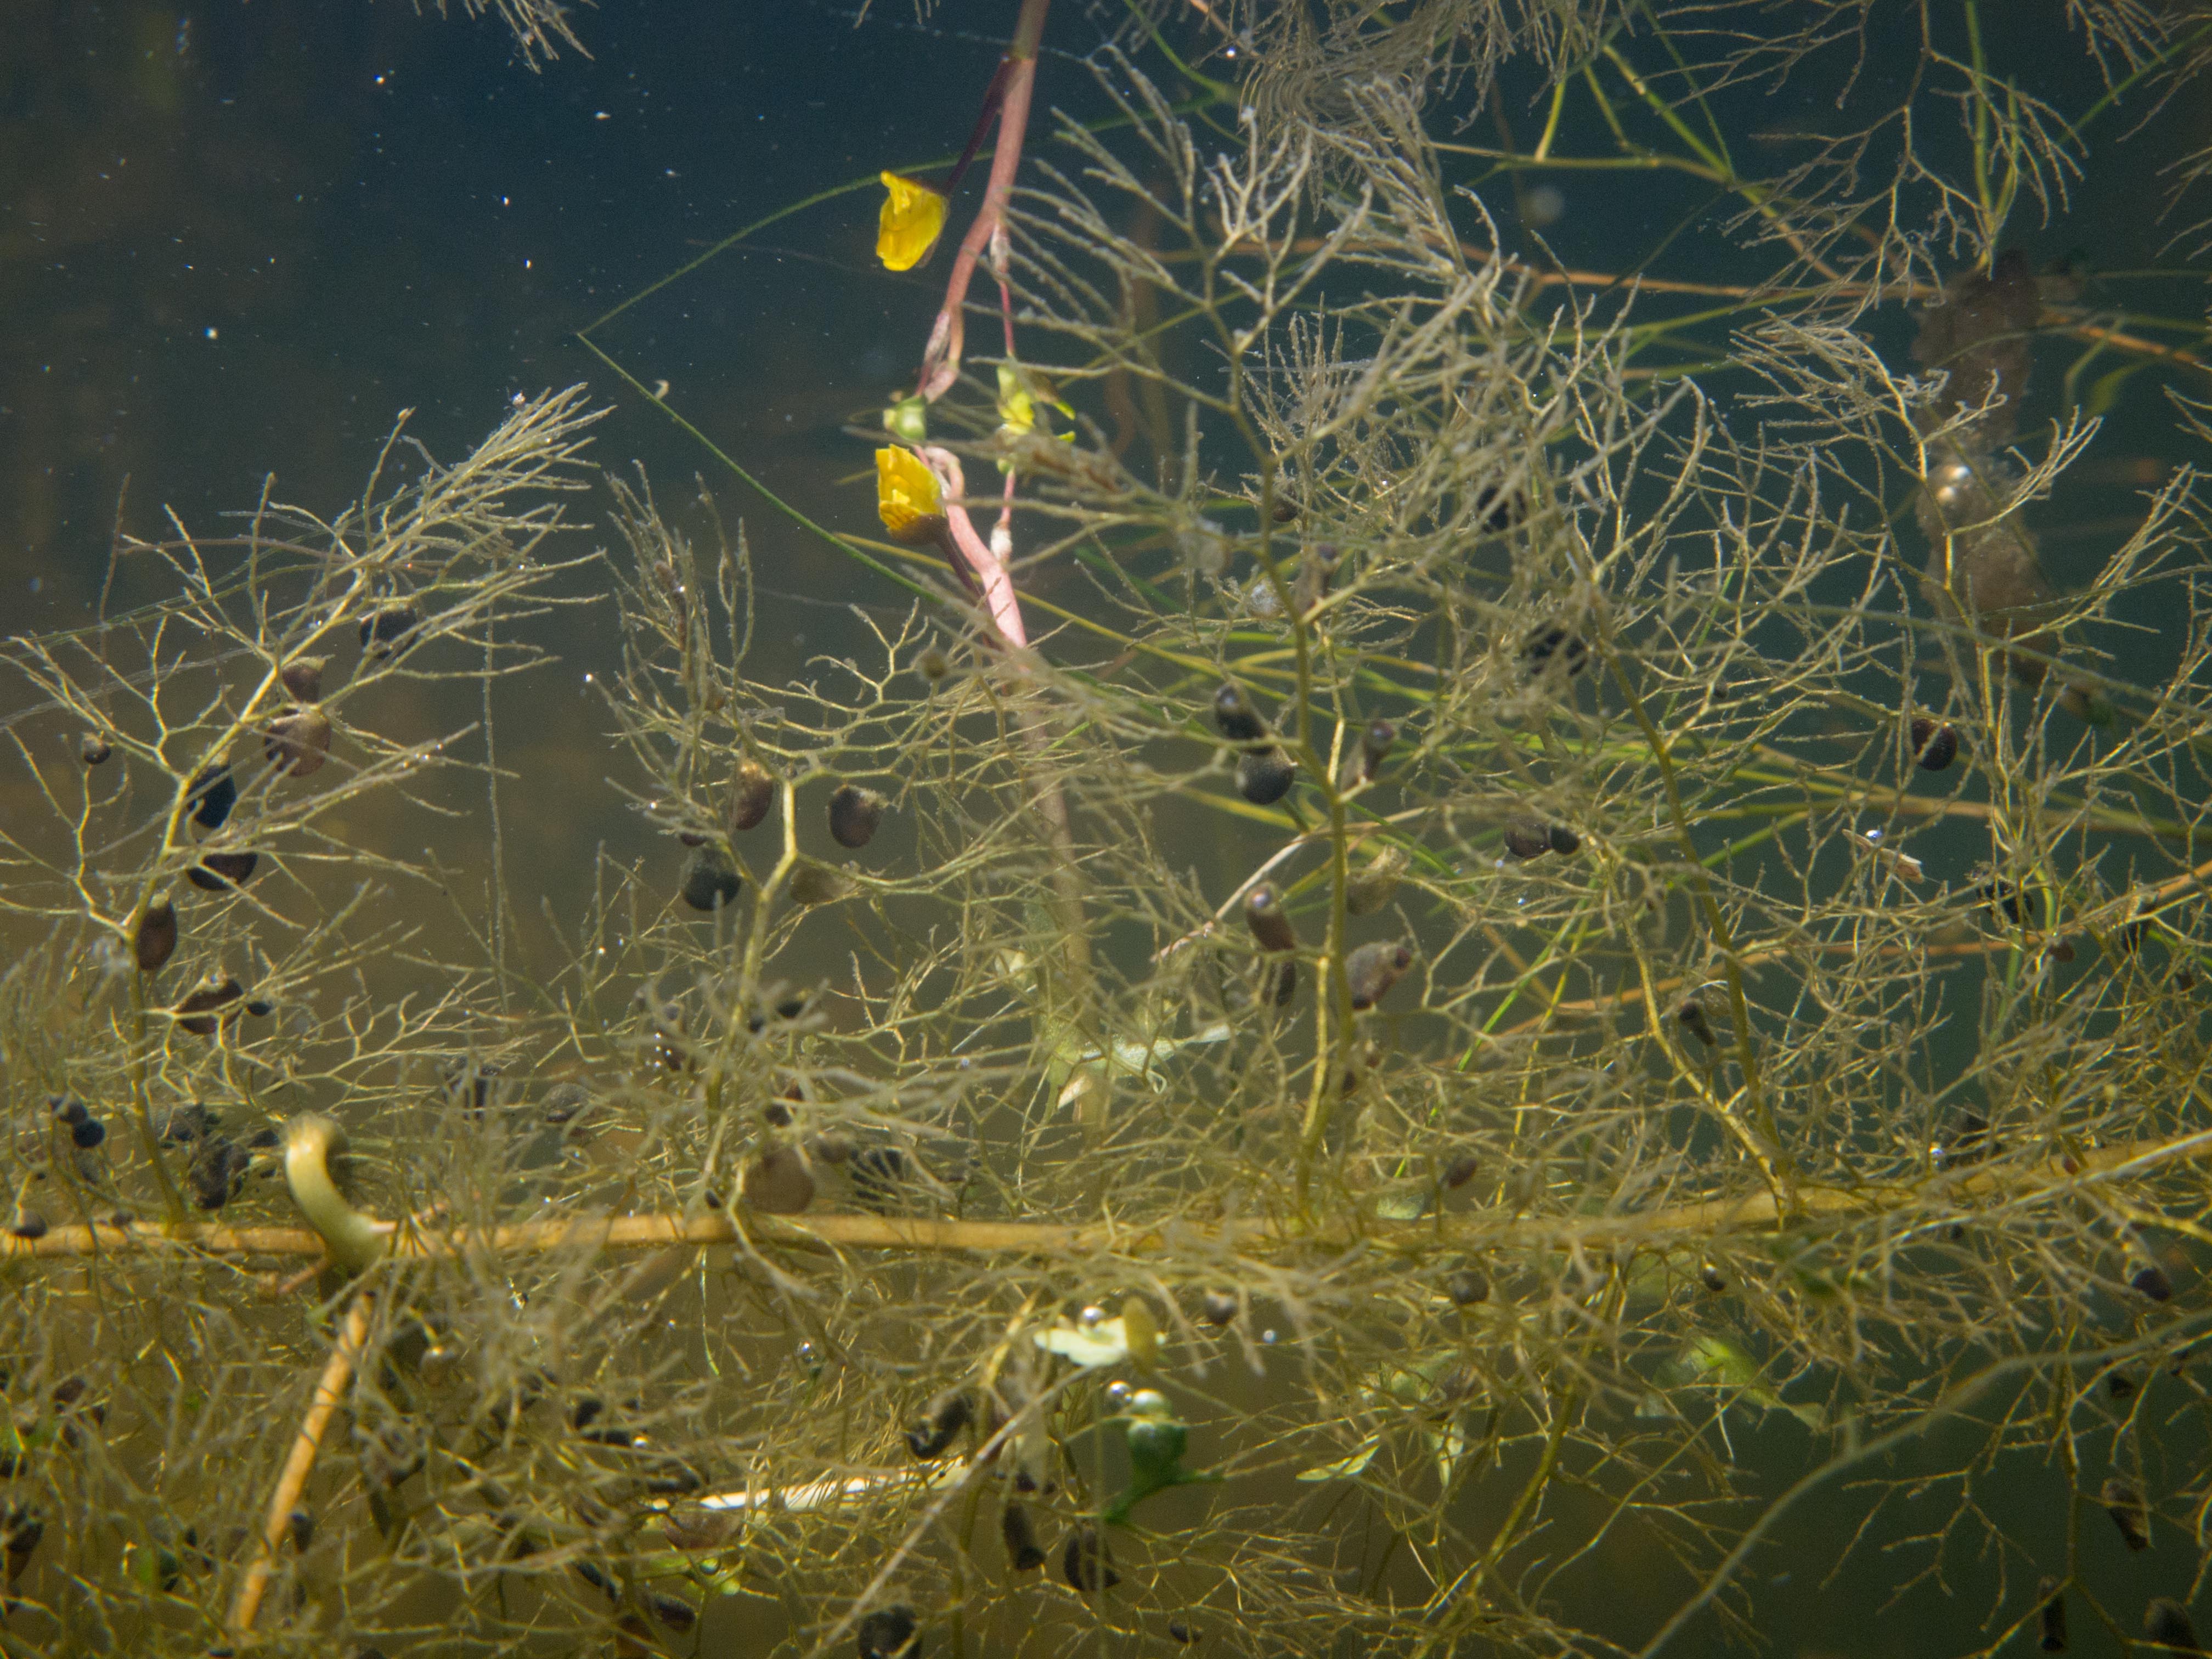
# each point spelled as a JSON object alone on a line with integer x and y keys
{"x": 329, "y": 1389}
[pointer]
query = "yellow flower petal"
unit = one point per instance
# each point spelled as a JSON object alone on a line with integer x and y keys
{"x": 907, "y": 494}
{"x": 913, "y": 215}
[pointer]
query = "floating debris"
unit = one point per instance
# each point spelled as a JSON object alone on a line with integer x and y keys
{"x": 1023, "y": 1550}
{"x": 210, "y": 795}
{"x": 92, "y": 748}
{"x": 2051, "y": 1614}
{"x": 2124, "y": 1501}
{"x": 751, "y": 793}
{"x": 778, "y": 1182}
{"x": 1087, "y": 1562}
{"x": 297, "y": 741}
{"x": 218, "y": 873}
{"x": 1933, "y": 747}
{"x": 854, "y": 815}
{"x": 1372, "y": 970}
{"x": 889, "y": 1633}
{"x": 153, "y": 938}
{"x": 710, "y": 879}
{"x": 1263, "y": 915}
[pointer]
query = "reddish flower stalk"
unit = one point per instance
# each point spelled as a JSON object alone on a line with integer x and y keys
{"x": 971, "y": 553}
{"x": 1016, "y": 78}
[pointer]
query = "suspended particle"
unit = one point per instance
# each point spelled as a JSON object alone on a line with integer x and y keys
{"x": 2051, "y": 1614}
{"x": 27, "y": 1224}
{"x": 1023, "y": 1550}
{"x": 2123, "y": 1502}
{"x": 1692, "y": 1017}
{"x": 1933, "y": 747}
{"x": 943, "y": 1419}
{"x": 1263, "y": 915}
{"x": 218, "y": 873}
{"x": 889, "y": 1633}
{"x": 384, "y": 629}
{"x": 197, "y": 1014}
{"x": 155, "y": 936}
{"x": 710, "y": 879}
{"x": 1527, "y": 839}
{"x": 854, "y": 814}
{"x": 1372, "y": 970}
{"x": 1264, "y": 776}
{"x": 297, "y": 741}
{"x": 301, "y": 1526}
{"x": 751, "y": 793}
{"x": 2167, "y": 1625}
{"x": 1236, "y": 717}
{"x": 92, "y": 748}
{"x": 778, "y": 1182}
{"x": 210, "y": 795}
{"x": 87, "y": 1135}
{"x": 1086, "y": 1563}
{"x": 2150, "y": 1281}
{"x": 303, "y": 677}
{"x": 1219, "y": 1307}
{"x": 673, "y": 1611}
{"x": 1467, "y": 1286}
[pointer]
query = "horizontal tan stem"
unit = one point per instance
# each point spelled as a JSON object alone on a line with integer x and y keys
{"x": 1751, "y": 1211}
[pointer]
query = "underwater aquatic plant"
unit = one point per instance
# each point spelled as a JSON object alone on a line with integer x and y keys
{"x": 722, "y": 1253}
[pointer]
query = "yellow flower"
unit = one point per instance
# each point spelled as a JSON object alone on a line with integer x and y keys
{"x": 907, "y": 496}
{"x": 913, "y": 215}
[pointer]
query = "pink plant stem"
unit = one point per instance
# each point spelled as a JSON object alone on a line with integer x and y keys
{"x": 982, "y": 561}
{"x": 941, "y": 359}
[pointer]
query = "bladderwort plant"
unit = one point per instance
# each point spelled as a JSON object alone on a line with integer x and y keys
{"x": 1466, "y": 932}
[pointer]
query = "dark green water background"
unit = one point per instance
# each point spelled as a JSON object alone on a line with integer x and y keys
{"x": 237, "y": 240}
